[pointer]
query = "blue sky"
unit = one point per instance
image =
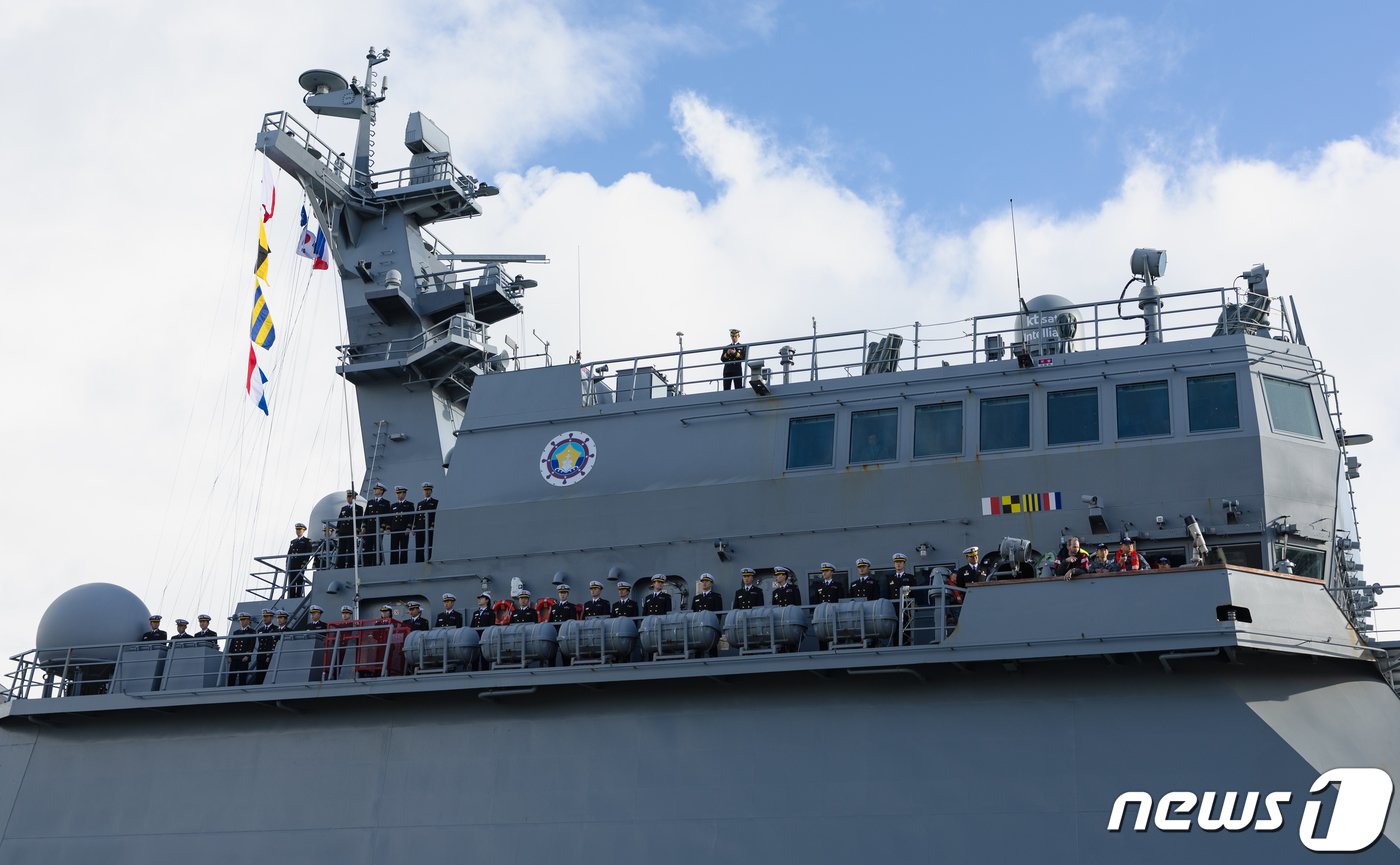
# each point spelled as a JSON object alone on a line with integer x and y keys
{"x": 958, "y": 107}
{"x": 686, "y": 166}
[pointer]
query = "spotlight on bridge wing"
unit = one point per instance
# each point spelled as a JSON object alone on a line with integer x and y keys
{"x": 1097, "y": 524}
{"x": 756, "y": 380}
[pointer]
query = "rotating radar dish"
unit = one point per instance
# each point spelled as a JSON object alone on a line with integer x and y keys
{"x": 322, "y": 81}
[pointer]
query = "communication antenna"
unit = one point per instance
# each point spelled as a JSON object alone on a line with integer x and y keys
{"x": 1016, "y": 253}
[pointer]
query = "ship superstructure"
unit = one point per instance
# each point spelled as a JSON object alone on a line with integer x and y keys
{"x": 1000, "y": 720}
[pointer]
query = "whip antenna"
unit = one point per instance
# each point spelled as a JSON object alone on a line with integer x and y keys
{"x": 1016, "y": 253}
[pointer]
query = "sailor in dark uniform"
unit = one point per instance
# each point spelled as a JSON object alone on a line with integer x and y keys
{"x": 483, "y": 616}
{"x": 828, "y": 590}
{"x": 971, "y": 571}
{"x": 155, "y": 633}
{"x": 733, "y": 357}
{"x": 211, "y": 637}
{"x": 624, "y": 607}
{"x": 785, "y": 594}
{"x": 415, "y": 618}
{"x": 749, "y": 595}
{"x": 315, "y": 623}
{"x": 324, "y": 551}
{"x": 348, "y": 524}
{"x": 658, "y": 603}
{"x": 240, "y": 651}
{"x": 298, "y": 557}
{"x": 400, "y": 525}
{"x": 375, "y": 510}
{"x": 450, "y": 617}
{"x": 423, "y": 524}
{"x": 320, "y": 659}
{"x": 902, "y": 584}
{"x": 523, "y": 612}
{"x": 865, "y": 587}
{"x": 181, "y": 632}
{"x": 707, "y": 600}
{"x": 565, "y": 609}
{"x": 596, "y": 606}
{"x": 266, "y": 644}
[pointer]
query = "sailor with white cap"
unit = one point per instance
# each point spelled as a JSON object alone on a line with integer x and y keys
{"x": 483, "y": 616}
{"x": 204, "y": 631}
{"x": 733, "y": 357}
{"x": 180, "y": 632}
{"x": 626, "y": 605}
{"x": 298, "y": 557}
{"x": 596, "y": 606}
{"x": 415, "y": 618}
{"x": 748, "y": 595}
{"x": 424, "y": 522}
{"x": 972, "y": 570}
{"x": 348, "y": 523}
{"x": 658, "y": 603}
{"x": 707, "y": 599}
{"x": 400, "y": 525}
{"x": 155, "y": 633}
{"x": 375, "y": 510}
{"x": 565, "y": 609}
{"x": 785, "y": 594}
{"x": 347, "y": 612}
{"x": 865, "y": 586}
{"x": 523, "y": 612}
{"x": 240, "y": 652}
{"x": 450, "y": 617}
{"x": 829, "y": 591}
{"x": 315, "y": 623}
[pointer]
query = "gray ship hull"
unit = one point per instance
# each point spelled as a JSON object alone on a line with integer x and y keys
{"x": 920, "y": 764}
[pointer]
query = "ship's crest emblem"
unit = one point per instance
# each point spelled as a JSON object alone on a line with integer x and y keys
{"x": 568, "y": 458}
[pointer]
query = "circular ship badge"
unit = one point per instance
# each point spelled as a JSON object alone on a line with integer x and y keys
{"x": 568, "y": 458}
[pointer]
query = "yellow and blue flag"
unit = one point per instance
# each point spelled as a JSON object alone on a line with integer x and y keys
{"x": 262, "y": 332}
{"x": 264, "y": 252}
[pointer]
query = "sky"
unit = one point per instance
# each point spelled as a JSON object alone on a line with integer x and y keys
{"x": 683, "y": 165}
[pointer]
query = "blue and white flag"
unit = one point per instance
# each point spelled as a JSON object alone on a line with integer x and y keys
{"x": 312, "y": 244}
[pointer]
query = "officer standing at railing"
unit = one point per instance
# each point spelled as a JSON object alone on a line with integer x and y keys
{"x": 426, "y": 519}
{"x": 181, "y": 630}
{"x": 828, "y": 590}
{"x": 596, "y": 606}
{"x": 155, "y": 633}
{"x": 400, "y": 525}
{"x": 658, "y": 603}
{"x": 266, "y": 644}
{"x": 785, "y": 594}
{"x": 240, "y": 651}
{"x": 523, "y": 612}
{"x": 483, "y": 616}
{"x": 865, "y": 586}
{"x": 748, "y": 595}
{"x": 415, "y": 618}
{"x": 298, "y": 557}
{"x": 624, "y": 607}
{"x": 733, "y": 357}
{"x": 316, "y": 624}
{"x": 348, "y": 523}
{"x": 708, "y": 601}
{"x": 566, "y": 609}
{"x": 204, "y": 633}
{"x": 450, "y": 617}
{"x": 375, "y": 509}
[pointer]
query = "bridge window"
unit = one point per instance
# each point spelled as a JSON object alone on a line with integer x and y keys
{"x": 1006, "y": 423}
{"x": 1144, "y": 409}
{"x": 1291, "y": 407}
{"x": 874, "y": 435}
{"x": 1211, "y": 402}
{"x": 811, "y": 441}
{"x": 938, "y": 429}
{"x": 1072, "y": 416}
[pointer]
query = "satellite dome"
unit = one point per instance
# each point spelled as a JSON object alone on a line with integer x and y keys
{"x": 1047, "y": 325}
{"x": 93, "y": 614}
{"x": 324, "y": 512}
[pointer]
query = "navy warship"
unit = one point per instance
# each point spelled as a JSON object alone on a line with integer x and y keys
{"x": 978, "y": 691}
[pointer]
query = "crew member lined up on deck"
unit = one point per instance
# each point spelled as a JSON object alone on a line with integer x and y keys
{"x": 298, "y": 557}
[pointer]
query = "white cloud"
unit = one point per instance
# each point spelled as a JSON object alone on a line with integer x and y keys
{"x": 1090, "y": 59}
